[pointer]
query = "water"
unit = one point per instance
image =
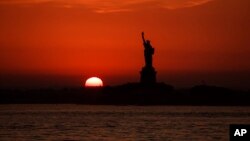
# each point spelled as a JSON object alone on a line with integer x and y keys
{"x": 112, "y": 123}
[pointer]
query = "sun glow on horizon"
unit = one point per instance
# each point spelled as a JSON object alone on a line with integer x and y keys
{"x": 93, "y": 82}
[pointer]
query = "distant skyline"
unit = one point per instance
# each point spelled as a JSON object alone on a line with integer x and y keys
{"x": 47, "y": 43}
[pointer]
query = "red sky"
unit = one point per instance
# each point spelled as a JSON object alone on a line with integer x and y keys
{"x": 62, "y": 42}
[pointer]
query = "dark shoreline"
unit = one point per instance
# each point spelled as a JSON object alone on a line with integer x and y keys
{"x": 130, "y": 94}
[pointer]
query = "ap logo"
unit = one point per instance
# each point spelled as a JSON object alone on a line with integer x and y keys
{"x": 239, "y": 132}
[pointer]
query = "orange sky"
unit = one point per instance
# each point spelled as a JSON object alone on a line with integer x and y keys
{"x": 195, "y": 40}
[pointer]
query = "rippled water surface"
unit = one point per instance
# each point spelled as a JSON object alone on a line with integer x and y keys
{"x": 112, "y": 123}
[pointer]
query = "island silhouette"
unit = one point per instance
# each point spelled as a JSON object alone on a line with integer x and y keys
{"x": 145, "y": 92}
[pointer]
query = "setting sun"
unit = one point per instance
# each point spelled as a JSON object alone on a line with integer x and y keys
{"x": 93, "y": 82}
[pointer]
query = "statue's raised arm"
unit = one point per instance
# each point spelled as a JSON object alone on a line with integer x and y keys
{"x": 142, "y": 34}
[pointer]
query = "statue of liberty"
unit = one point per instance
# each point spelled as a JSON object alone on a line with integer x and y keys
{"x": 148, "y": 73}
{"x": 148, "y": 52}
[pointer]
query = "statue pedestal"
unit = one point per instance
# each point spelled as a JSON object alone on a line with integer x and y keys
{"x": 148, "y": 75}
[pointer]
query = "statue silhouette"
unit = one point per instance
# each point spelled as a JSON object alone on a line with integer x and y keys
{"x": 148, "y": 52}
{"x": 148, "y": 73}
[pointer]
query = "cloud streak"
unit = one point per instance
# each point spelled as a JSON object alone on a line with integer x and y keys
{"x": 173, "y": 4}
{"x": 107, "y": 6}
